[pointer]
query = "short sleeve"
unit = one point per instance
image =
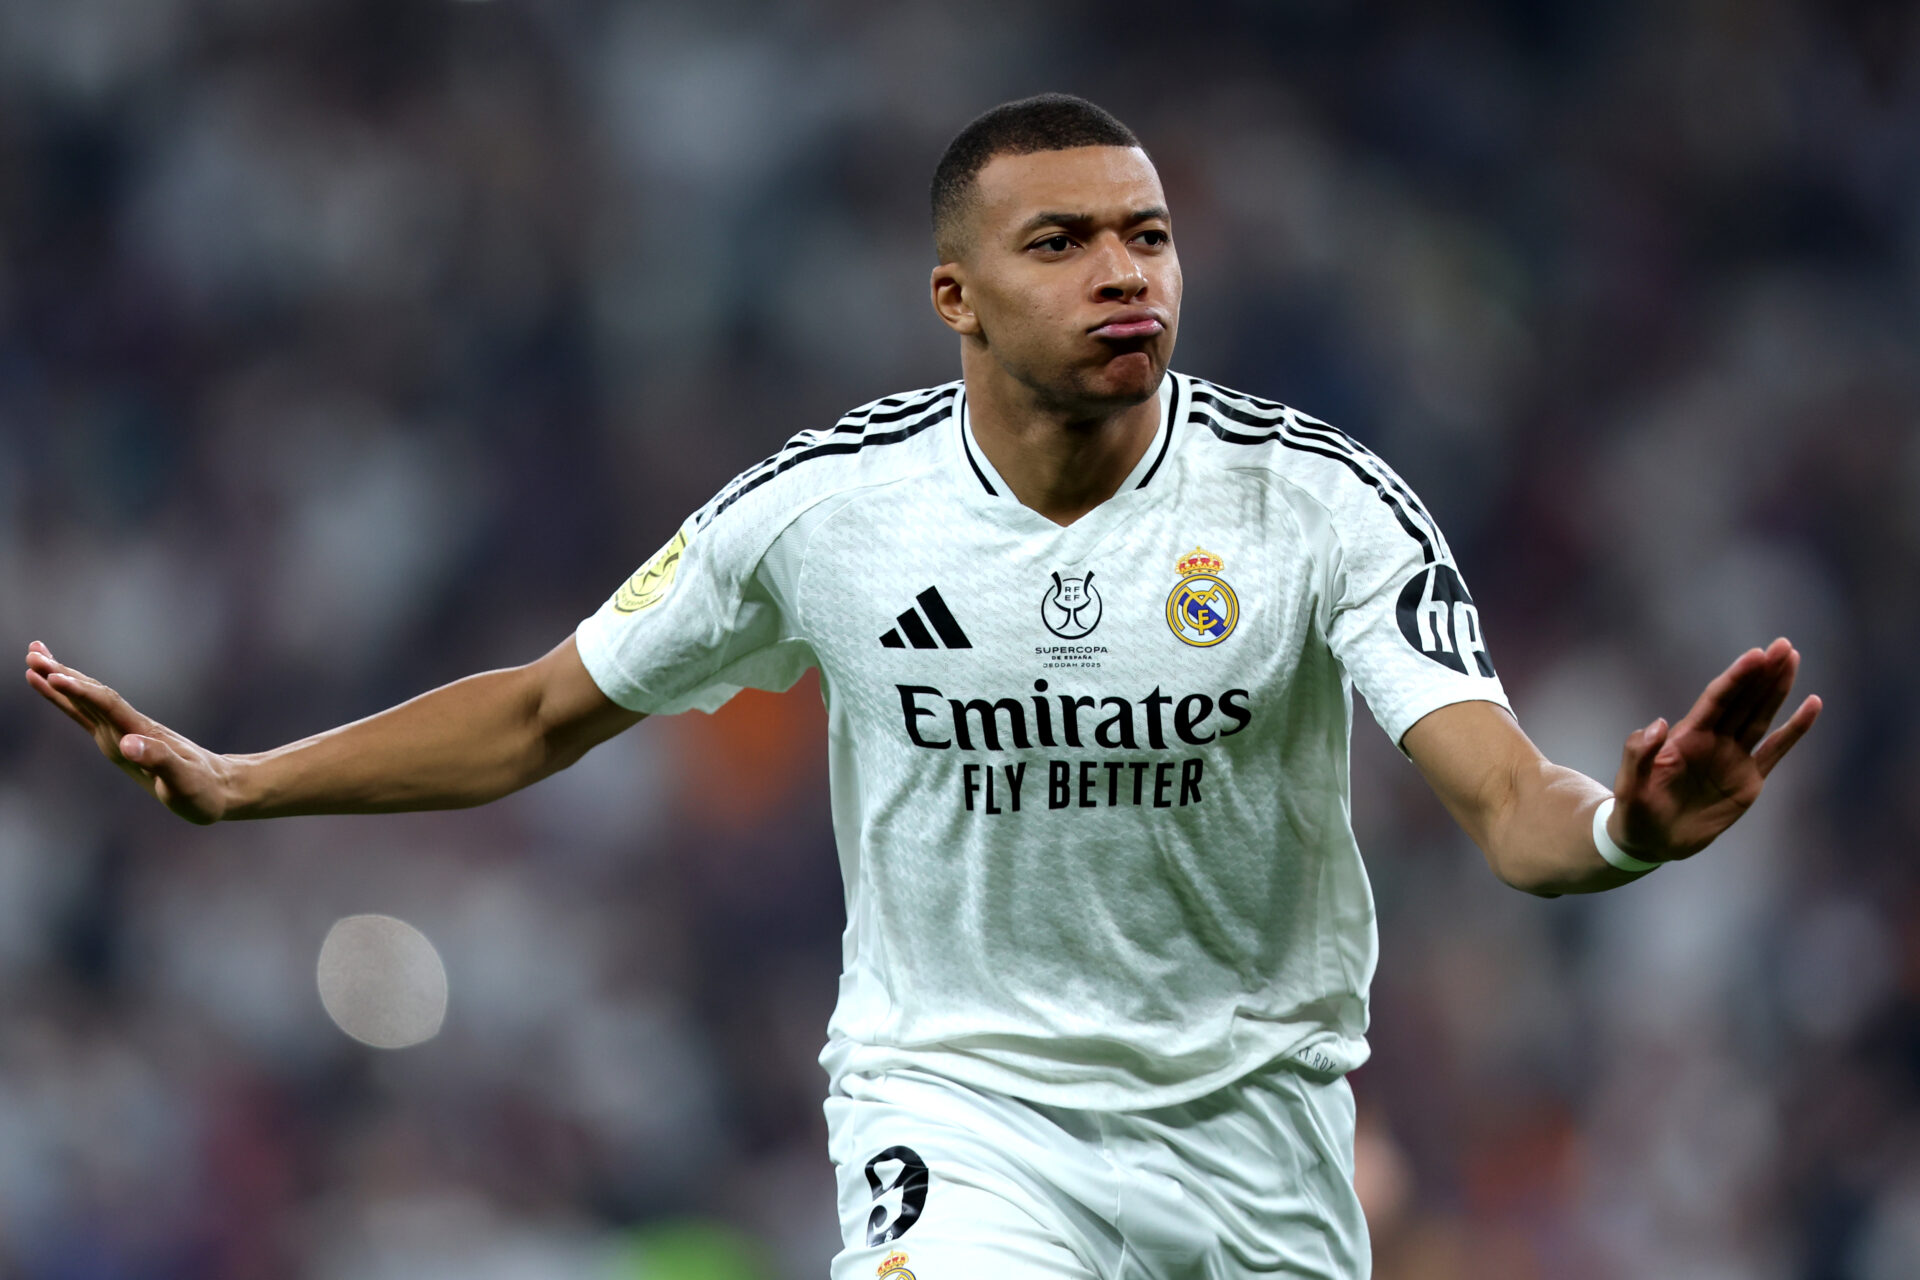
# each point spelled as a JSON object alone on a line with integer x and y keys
{"x": 1400, "y": 619}
{"x": 707, "y": 616}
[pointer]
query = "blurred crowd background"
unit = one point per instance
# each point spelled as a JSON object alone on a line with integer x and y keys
{"x": 349, "y": 347}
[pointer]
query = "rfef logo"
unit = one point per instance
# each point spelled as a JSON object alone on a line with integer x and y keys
{"x": 1071, "y": 608}
{"x": 1438, "y": 618}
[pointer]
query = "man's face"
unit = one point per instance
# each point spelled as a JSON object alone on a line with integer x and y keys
{"x": 1069, "y": 275}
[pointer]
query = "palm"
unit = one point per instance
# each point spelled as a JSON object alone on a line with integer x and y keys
{"x": 1679, "y": 788}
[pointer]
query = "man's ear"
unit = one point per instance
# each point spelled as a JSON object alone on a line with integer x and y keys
{"x": 950, "y": 302}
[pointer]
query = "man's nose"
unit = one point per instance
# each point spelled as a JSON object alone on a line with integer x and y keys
{"x": 1120, "y": 279}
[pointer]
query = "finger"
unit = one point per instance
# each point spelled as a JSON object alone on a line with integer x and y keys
{"x": 88, "y": 702}
{"x": 1723, "y": 691}
{"x": 58, "y": 699}
{"x": 39, "y": 648}
{"x": 78, "y": 697}
{"x": 1753, "y": 689}
{"x": 94, "y": 698}
{"x": 1772, "y": 695}
{"x": 1782, "y": 740}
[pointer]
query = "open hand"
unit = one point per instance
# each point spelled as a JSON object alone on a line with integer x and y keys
{"x": 1681, "y": 786}
{"x": 185, "y": 777}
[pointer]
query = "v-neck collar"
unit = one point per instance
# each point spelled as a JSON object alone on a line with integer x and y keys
{"x": 988, "y": 491}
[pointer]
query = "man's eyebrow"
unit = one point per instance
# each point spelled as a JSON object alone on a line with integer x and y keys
{"x": 1057, "y": 218}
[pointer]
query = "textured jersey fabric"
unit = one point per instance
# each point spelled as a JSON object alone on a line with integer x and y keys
{"x": 1089, "y": 784}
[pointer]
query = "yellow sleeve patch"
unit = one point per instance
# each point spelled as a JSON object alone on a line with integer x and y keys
{"x": 649, "y": 585}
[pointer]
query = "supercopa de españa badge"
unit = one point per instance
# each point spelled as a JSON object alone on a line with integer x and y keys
{"x": 1202, "y": 608}
{"x": 649, "y": 583}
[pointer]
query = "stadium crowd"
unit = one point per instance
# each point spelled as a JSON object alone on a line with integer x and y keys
{"x": 349, "y": 346}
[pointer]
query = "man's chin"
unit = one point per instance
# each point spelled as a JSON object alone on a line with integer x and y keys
{"x": 1114, "y": 385}
{"x": 1128, "y": 378}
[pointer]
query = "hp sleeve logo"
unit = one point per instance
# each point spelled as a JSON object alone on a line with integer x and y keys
{"x": 1438, "y": 618}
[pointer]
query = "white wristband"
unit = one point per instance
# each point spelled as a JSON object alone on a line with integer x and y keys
{"x": 1613, "y": 853}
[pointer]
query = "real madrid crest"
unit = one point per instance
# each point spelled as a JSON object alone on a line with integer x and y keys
{"x": 894, "y": 1267}
{"x": 1202, "y": 608}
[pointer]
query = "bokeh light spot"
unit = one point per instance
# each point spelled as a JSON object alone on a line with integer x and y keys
{"x": 382, "y": 981}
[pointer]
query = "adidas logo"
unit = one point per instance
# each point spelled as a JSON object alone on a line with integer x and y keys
{"x": 914, "y": 627}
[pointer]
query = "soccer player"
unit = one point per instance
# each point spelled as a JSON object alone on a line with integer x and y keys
{"x": 1087, "y": 632}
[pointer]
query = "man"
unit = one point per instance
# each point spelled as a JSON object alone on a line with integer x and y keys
{"x": 1087, "y": 631}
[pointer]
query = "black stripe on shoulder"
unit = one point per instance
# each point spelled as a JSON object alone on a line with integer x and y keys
{"x": 1269, "y": 414}
{"x": 880, "y": 412}
{"x": 1333, "y": 435}
{"x": 930, "y": 413}
{"x": 1173, "y": 421}
{"x": 1206, "y": 412}
{"x": 891, "y": 409}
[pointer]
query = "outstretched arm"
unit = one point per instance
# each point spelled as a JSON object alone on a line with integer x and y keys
{"x": 462, "y": 744}
{"x": 1678, "y": 786}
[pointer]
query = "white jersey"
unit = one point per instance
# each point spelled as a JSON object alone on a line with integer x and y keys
{"x": 1090, "y": 784}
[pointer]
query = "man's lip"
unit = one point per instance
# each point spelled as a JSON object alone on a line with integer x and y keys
{"x": 1141, "y": 327}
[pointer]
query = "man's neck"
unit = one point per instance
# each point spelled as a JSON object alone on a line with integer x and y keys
{"x": 1060, "y": 463}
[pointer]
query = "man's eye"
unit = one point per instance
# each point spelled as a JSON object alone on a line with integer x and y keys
{"x": 1155, "y": 238}
{"x": 1055, "y": 244}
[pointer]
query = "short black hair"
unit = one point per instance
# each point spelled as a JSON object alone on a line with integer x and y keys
{"x": 1045, "y": 122}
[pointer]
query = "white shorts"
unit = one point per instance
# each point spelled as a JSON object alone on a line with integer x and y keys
{"x": 939, "y": 1181}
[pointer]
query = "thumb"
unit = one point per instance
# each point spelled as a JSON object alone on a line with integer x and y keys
{"x": 1637, "y": 756}
{"x": 155, "y": 757}
{"x": 176, "y": 777}
{"x": 147, "y": 752}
